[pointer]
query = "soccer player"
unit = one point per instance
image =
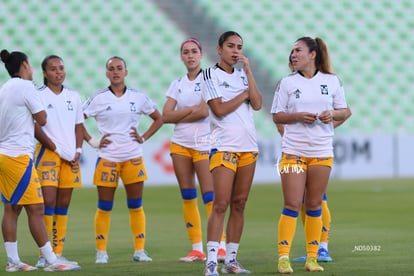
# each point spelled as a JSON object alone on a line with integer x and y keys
{"x": 117, "y": 110}
{"x": 58, "y": 151}
{"x": 190, "y": 145}
{"x": 306, "y": 102}
{"x": 20, "y": 106}
{"x": 323, "y": 252}
{"x": 232, "y": 95}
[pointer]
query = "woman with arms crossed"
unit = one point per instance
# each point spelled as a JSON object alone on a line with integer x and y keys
{"x": 190, "y": 145}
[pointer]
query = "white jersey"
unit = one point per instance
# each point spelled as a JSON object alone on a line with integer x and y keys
{"x": 194, "y": 135}
{"x": 296, "y": 93}
{"x": 64, "y": 112}
{"x": 19, "y": 100}
{"x": 116, "y": 116}
{"x": 235, "y": 131}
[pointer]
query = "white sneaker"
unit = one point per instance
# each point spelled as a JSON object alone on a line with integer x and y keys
{"x": 63, "y": 260}
{"x": 211, "y": 269}
{"x": 57, "y": 266}
{"x": 19, "y": 267}
{"x": 41, "y": 262}
{"x": 101, "y": 257}
{"x": 141, "y": 256}
{"x": 234, "y": 268}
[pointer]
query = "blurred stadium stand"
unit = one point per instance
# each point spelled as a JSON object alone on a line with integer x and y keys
{"x": 370, "y": 43}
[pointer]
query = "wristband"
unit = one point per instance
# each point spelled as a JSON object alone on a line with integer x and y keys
{"x": 143, "y": 139}
{"x": 94, "y": 142}
{"x": 79, "y": 150}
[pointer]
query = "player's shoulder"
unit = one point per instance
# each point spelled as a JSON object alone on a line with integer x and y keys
{"x": 134, "y": 91}
{"x": 208, "y": 72}
{"x": 42, "y": 88}
{"x": 330, "y": 77}
{"x": 289, "y": 78}
{"x": 99, "y": 93}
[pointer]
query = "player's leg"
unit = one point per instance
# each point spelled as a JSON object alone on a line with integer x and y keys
{"x": 241, "y": 189}
{"x": 317, "y": 181}
{"x": 205, "y": 180}
{"x": 223, "y": 172}
{"x": 134, "y": 186}
{"x": 69, "y": 179}
{"x": 323, "y": 252}
{"x": 185, "y": 174}
{"x": 48, "y": 164}
{"x": 106, "y": 180}
{"x": 293, "y": 181}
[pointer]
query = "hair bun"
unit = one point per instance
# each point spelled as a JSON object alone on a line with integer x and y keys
{"x": 4, "y": 55}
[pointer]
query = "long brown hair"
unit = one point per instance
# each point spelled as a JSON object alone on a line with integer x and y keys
{"x": 322, "y": 60}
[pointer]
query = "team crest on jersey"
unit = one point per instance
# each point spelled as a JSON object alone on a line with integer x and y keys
{"x": 69, "y": 105}
{"x": 132, "y": 107}
{"x": 244, "y": 80}
{"x": 225, "y": 84}
{"x": 197, "y": 87}
{"x": 297, "y": 93}
{"x": 324, "y": 89}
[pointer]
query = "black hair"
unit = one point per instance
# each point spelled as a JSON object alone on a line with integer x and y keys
{"x": 12, "y": 61}
{"x": 44, "y": 64}
{"x": 226, "y": 35}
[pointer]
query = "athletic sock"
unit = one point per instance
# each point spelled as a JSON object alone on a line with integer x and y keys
{"x": 212, "y": 250}
{"x": 48, "y": 253}
{"x": 326, "y": 221}
{"x": 102, "y": 225}
{"x": 12, "y": 252}
{"x": 286, "y": 231}
{"x": 313, "y": 228}
{"x": 231, "y": 252}
{"x": 59, "y": 232}
{"x": 137, "y": 223}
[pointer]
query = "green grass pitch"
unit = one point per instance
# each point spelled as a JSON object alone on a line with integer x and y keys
{"x": 372, "y": 232}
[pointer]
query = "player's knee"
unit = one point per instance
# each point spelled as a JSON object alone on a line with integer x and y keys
{"x": 208, "y": 197}
{"x": 188, "y": 194}
{"x": 105, "y": 205}
{"x": 134, "y": 203}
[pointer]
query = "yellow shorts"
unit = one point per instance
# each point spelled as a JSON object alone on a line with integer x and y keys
{"x": 55, "y": 171}
{"x": 107, "y": 173}
{"x": 195, "y": 155}
{"x": 291, "y": 163}
{"x": 232, "y": 160}
{"x": 19, "y": 183}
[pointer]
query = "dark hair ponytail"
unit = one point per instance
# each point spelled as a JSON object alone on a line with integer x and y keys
{"x": 12, "y": 61}
{"x": 322, "y": 60}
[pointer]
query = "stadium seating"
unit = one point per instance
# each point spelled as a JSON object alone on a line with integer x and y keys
{"x": 370, "y": 44}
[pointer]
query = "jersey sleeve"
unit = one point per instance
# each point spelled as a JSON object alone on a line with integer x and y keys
{"x": 339, "y": 100}
{"x": 149, "y": 106}
{"x": 89, "y": 107}
{"x": 210, "y": 85}
{"x": 173, "y": 90}
{"x": 79, "y": 109}
{"x": 33, "y": 99}
{"x": 280, "y": 99}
